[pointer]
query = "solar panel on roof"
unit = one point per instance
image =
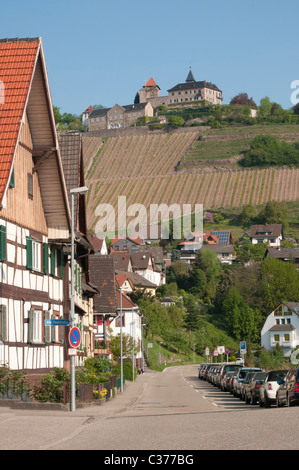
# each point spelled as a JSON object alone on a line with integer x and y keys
{"x": 223, "y": 236}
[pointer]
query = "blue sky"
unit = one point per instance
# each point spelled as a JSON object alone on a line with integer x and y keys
{"x": 102, "y": 52}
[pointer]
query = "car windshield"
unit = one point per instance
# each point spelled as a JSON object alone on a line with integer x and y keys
{"x": 243, "y": 373}
{"x": 230, "y": 368}
{"x": 277, "y": 375}
{"x": 260, "y": 375}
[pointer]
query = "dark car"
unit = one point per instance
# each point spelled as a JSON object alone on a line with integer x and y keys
{"x": 253, "y": 390}
{"x": 238, "y": 379}
{"x": 288, "y": 391}
{"x": 206, "y": 372}
{"x": 245, "y": 384}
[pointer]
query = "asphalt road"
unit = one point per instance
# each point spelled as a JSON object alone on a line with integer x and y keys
{"x": 169, "y": 411}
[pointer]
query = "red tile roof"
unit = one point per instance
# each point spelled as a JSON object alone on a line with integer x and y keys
{"x": 17, "y": 61}
{"x": 151, "y": 82}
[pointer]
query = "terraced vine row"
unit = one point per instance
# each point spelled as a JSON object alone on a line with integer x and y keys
{"x": 142, "y": 169}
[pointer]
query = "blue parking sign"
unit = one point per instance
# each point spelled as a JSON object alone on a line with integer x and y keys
{"x": 243, "y": 347}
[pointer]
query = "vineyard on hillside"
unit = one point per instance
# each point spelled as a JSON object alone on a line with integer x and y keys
{"x": 143, "y": 168}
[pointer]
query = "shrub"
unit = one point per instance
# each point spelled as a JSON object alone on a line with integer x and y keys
{"x": 51, "y": 388}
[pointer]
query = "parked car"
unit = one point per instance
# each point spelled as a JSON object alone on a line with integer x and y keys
{"x": 201, "y": 370}
{"x": 226, "y": 386}
{"x": 253, "y": 388}
{"x": 288, "y": 391}
{"x": 206, "y": 372}
{"x": 267, "y": 392}
{"x": 238, "y": 379}
{"x": 224, "y": 369}
{"x": 245, "y": 383}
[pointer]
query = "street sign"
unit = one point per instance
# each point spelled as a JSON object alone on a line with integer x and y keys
{"x": 221, "y": 349}
{"x": 74, "y": 337}
{"x": 59, "y": 322}
{"x": 242, "y": 347}
{"x": 207, "y": 351}
{"x": 72, "y": 352}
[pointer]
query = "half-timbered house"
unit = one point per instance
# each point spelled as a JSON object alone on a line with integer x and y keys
{"x": 34, "y": 214}
{"x": 70, "y": 145}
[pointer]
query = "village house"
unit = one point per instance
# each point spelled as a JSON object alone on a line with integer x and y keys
{"x": 118, "y": 116}
{"x": 99, "y": 245}
{"x": 282, "y": 328}
{"x": 72, "y": 160}
{"x": 85, "y": 115}
{"x": 102, "y": 274}
{"x": 288, "y": 254}
{"x": 34, "y": 215}
{"x": 219, "y": 241}
{"x": 272, "y": 234}
{"x": 125, "y": 243}
{"x": 110, "y": 303}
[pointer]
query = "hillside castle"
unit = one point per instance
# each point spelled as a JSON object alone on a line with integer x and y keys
{"x": 149, "y": 99}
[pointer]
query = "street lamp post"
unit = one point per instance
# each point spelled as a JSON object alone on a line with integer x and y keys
{"x": 121, "y": 341}
{"x": 81, "y": 190}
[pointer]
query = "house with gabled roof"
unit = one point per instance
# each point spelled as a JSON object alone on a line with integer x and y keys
{"x": 70, "y": 144}
{"x": 86, "y": 114}
{"x": 281, "y": 328}
{"x": 102, "y": 275}
{"x": 272, "y": 234}
{"x": 125, "y": 243}
{"x": 108, "y": 304}
{"x": 118, "y": 116}
{"x": 34, "y": 214}
{"x": 287, "y": 254}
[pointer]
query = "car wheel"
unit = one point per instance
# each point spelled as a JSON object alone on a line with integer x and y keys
{"x": 279, "y": 404}
{"x": 267, "y": 402}
{"x": 252, "y": 400}
{"x": 289, "y": 403}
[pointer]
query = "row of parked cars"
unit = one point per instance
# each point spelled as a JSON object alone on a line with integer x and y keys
{"x": 254, "y": 385}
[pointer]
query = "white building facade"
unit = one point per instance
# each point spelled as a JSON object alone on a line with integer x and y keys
{"x": 282, "y": 328}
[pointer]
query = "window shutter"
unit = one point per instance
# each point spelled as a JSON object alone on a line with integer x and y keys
{"x": 45, "y": 258}
{"x": 30, "y": 325}
{"x": 53, "y": 252}
{"x": 61, "y": 263}
{"x": 62, "y": 329}
{"x": 29, "y": 252}
{"x": 2, "y": 243}
{"x": 53, "y": 329}
{"x": 47, "y": 329}
{"x": 12, "y": 179}
{"x": 3, "y": 323}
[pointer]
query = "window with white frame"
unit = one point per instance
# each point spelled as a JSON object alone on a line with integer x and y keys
{"x": 36, "y": 255}
{"x": 36, "y": 326}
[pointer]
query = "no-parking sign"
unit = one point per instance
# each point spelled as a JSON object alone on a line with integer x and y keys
{"x": 74, "y": 337}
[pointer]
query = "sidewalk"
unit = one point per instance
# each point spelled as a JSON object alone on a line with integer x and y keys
{"x": 122, "y": 400}
{"x": 119, "y": 403}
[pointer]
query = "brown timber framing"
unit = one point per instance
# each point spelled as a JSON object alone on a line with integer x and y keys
{"x": 43, "y": 155}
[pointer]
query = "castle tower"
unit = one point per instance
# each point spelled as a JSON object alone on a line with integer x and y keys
{"x": 148, "y": 91}
{"x": 190, "y": 77}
